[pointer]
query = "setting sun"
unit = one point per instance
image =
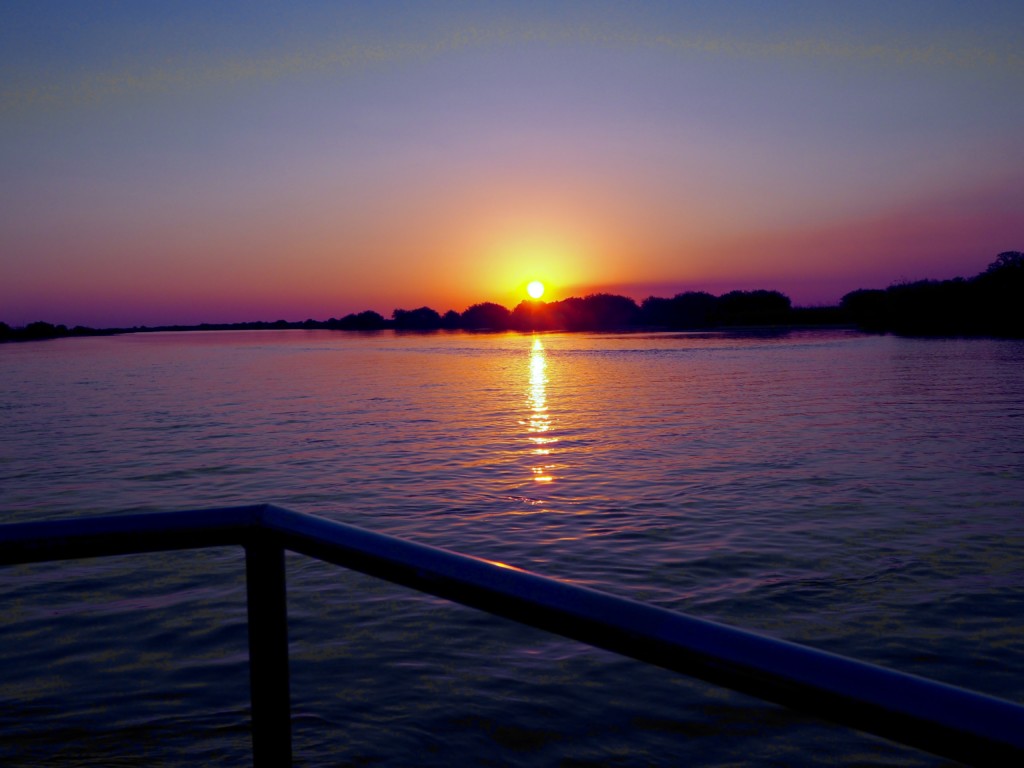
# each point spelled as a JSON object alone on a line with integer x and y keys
{"x": 535, "y": 289}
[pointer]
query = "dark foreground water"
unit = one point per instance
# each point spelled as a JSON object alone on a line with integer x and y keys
{"x": 860, "y": 494}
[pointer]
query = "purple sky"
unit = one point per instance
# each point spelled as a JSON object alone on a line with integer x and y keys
{"x": 194, "y": 162}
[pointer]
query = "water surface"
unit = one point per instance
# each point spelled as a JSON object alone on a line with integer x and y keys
{"x": 861, "y": 494}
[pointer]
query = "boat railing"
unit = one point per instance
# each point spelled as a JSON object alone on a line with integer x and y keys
{"x": 935, "y": 717}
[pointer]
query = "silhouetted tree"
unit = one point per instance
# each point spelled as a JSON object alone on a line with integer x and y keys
{"x": 487, "y": 315}
{"x": 693, "y": 309}
{"x": 1006, "y": 263}
{"x": 533, "y": 315}
{"x": 753, "y": 308}
{"x": 364, "y": 321}
{"x": 42, "y": 330}
{"x": 868, "y": 308}
{"x": 656, "y": 311}
{"x": 991, "y": 303}
{"x": 422, "y": 319}
{"x": 999, "y": 295}
{"x": 930, "y": 307}
{"x": 598, "y": 311}
{"x": 451, "y": 320}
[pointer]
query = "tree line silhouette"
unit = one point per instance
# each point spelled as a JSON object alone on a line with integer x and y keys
{"x": 596, "y": 312}
{"x": 991, "y": 304}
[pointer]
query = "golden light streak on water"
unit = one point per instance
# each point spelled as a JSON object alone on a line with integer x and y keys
{"x": 539, "y": 421}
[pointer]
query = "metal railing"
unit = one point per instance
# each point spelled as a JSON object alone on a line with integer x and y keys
{"x": 938, "y": 718}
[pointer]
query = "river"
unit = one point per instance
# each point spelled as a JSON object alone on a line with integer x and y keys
{"x": 861, "y": 494}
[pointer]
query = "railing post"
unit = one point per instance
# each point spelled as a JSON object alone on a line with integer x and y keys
{"x": 268, "y": 654}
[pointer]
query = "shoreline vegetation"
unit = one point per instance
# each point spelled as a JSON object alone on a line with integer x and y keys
{"x": 988, "y": 304}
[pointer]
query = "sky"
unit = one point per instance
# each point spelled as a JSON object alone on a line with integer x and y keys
{"x": 196, "y": 162}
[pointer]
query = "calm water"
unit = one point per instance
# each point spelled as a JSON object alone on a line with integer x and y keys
{"x": 860, "y": 494}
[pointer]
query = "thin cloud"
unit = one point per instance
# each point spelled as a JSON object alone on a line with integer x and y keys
{"x": 349, "y": 56}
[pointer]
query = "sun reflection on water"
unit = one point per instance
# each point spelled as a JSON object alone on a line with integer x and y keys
{"x": 538, "y": 423}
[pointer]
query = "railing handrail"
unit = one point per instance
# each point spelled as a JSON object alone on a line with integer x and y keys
{"x": 946, "y": 720}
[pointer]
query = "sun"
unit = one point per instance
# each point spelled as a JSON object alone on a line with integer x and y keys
{"x": 535, "y": 289}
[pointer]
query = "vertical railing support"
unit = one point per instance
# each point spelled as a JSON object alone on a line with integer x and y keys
{"x": 268, "y": 654}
